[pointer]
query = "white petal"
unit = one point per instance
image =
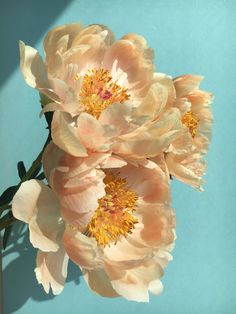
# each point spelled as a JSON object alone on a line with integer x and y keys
{"x": 154, "y": 102}
{"x": 32, "y": 67}
{"x": 155, "y": 287}
{"x": 37, "y": 205}
{"x": 92, "y": 133}
{"x": 117, "y": 115}
{"x": 99, "y": 282}
{"x": 114, "y": 162}
{"x": 51, "y": 270}
{"x": 82, "y": 250}
{"x": 50, "y": 159}
{"x": 151, "y": 139}
{"x": 135, "y": 284}
{"x": 65, "y": 135}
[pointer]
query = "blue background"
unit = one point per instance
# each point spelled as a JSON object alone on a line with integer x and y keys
{"x": 188, "y": 37}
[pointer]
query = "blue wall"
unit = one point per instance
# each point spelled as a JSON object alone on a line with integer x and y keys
{"x": 188, "y": 37}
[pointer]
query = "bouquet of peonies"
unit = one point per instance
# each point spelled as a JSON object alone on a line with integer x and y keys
{"x": 118, "y": 133}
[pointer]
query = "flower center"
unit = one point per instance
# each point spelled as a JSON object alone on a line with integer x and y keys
{"x": 191, "y": 122}
{"x": 98, "y": 91}
{"x": 113, "y": 216}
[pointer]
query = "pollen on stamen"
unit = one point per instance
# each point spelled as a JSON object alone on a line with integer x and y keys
{"x": 191, "y": 122}
{"x": 98, "y": 91}
{"x": 77, "y": 77}
{"x": 114, "y": 215}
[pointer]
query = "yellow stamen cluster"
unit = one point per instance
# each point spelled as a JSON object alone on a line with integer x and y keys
{"x": 191, "y": 122}
{"x": 113, "y": 216}
{"x": 98, "y": 91}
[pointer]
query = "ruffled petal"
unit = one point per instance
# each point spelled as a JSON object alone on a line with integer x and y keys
{"x": 166, "y": 81}
{"x": 132, "y": 60}
{"x": 64, "y": 135}
{"x": 51, "y": 270}
{"x": 187, "y": 168}
{"x": 127, "y": 249}
{"x": 134, "y": 285}
{"x": 93, "y": 30}
{"x": 89, "y": 47}
{"x": 59, "y": 39}
{"x": 151, "y": 139}
{"x": 185, "y": 84}
{"x": 150, "y": 184}
{"x": 117, "y": 115}
{"x": 37, "y": 205}
{"x": 153, "y": 103}
{"x": 92, "y": 134}
{"x": 113, "y": 162}
{"x": 68, "y": 100}
{"x": 99, "y": 282}
{"x": 50, "y": 159}
{"x": 81, "y": 196}
{"x": 32, "y": 67}
{"x": 158, "y": 224}
{"x": 82, "y": 250}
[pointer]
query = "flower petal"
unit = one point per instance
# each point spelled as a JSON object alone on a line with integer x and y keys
{"x": 92, "y": 134}
{"x": 32, "y": 67}
{"x": 151, "y": 139}
{"x": 64, "y": 135}
{"x": 59, "y": 39}
{"x": 150, "y": 184}
{"x": 135, "y": 284}
{"x": 185, "y": 84}
{"x": 37, "y": 205}
{"x": 188, "y": 168}
{"x": 154, "y": 102}
{"x": 166, "y": 81}
{"x": 132, "y": 60}
{"x": 127, "y": 249}
{"x": 114, "y": 162}
{"x": 50, "y": 159}
{"x": 100, "y": 283}
{"x": 81, "y": 197}
{"x": 158, "y": 224}
{"x": 117, "y": 115}
{"x": 82, "y": 250}
{"x": 51, "y": 270}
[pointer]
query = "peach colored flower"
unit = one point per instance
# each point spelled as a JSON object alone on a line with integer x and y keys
{"x": 185, "y": 155}
{"x": 101, "y": 91}
{"x": 123, "y": 244}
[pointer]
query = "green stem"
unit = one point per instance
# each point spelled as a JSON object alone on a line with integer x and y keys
{"x": 33, "y": 167}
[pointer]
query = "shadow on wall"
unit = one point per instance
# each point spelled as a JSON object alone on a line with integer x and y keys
{"x": 25, "y": 20}
{"x": 19, "y": 279}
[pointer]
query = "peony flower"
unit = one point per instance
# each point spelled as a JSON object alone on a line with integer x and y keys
{"x": 185, "y": 156}
{"x": 110, "y": 217}
{"x": 102, "y": 92}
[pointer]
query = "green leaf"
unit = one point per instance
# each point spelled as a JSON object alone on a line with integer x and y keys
{"x": 41, "y": 176}
{"x": 8, "y": 194}
{"x": 21, "y": 169}
{"x": 7, "y": 220}
{"x": 6, "y": 236}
